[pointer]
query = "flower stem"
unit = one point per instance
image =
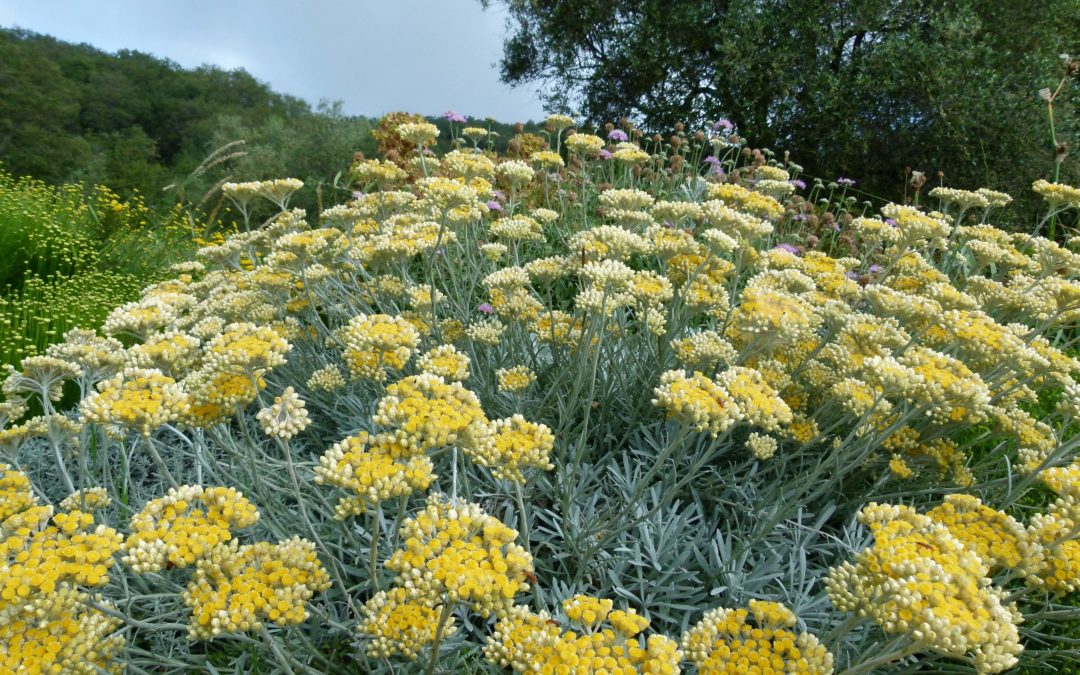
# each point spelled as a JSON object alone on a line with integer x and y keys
{"x": 447, "y": 609}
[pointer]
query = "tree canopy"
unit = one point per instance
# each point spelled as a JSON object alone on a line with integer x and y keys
{"x": 856, "y": 87}
{"x": 133, "y": 121}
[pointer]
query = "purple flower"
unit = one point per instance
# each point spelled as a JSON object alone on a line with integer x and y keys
{"x": 890, "y": 222}
{"x": 604, "y": 154}
{"x": 846, "y": 182}
{"x": 787, "y": 247}
{"x": 453, "y": 116}
{"x": 485, "y": 308}
{"x": 494, "y": 205}
{"x": 835, "y": 227}
{"x": 854, "y": 276}
{"x": 617, "y": 135}
{"x": 723, "y": 123}
{"x": 358, "y": 195}
{"x": 499, "y": 194}
{"x": 875, "y": 269}
{"x": 800, "y": 217}
{"x": 712, "y": 159}
{"x": 717, "y": 170}
{"x": 800, "y": 184}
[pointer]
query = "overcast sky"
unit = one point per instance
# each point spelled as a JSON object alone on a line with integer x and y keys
{"x": 425, "y": 56}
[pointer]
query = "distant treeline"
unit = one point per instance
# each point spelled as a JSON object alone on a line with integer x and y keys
{"x": 132, "y": 121}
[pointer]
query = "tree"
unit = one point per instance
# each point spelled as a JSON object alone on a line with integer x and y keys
{"x": 858, "y": 87}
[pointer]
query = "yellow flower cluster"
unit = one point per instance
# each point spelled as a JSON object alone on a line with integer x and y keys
{"x": 418, "y": 133}
{"x": 277, "y": 190}
{"x": 915, "y": 226}
{"x": 547, "y": 159}
{"x": 528, "y": 642}
{"x": 458, "y": 553}
{"x": 626, "y": 200}
{"x": 45, "y": 625}
{"x": 704, "y": 351}
{"x": 41, "y": 549}
{"x": 446, "y": 362}
{"x": 137, "y": 398}
{"x": 236, "y": 588}
{"x": 725, "y": 641}
{"x": 375, "y": 469}
{"x": 697, "y": 401}
{"x": 184, "y": 526}
{"x": 90, "y": 499}
{"x": 748, "y": 201}
{"x": 513, "y": 445}
{"x": 920, "y": 580}
{"x": 426, "y": 412}
{"x": 996, "y": 537}
{"x": 60, "y": 634}
{"x": 1052, "y": 560}
{"x": 399, "y": 623}
{"x": 515, "y": 379}
{"x": 1057, "y": 194}
{"x": 171, "y": 352}
{"x": 247, "y": 348}
{"x": 758, "y": 402}
{"x": 377, "y": 172}
{"x": 377, "y": 343}
{"x": 16, "y": 493}
{"x": 327, "y": 378}
{"x": 515, "y": 172}
{"x": 965, "y": 199}
{"x": 772, "y": 319}
{"x": 585, "y": 144}
{"x": 516, "y": 228}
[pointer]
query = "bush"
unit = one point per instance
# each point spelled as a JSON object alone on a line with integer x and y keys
{"x": 639, "y": 406}
{"x": 70, "y": 258}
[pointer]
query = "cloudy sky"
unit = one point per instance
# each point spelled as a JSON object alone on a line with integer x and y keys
{"x": 424, "y": 56}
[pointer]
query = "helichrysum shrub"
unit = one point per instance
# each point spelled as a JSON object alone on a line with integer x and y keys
{"x": 613, "y": 405}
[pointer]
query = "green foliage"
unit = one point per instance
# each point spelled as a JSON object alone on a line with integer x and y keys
{"x": 39, "y": 312}
{"x": 851, "y": 88}
{"x": 134, "y": 122}
{"x": 71, "y": 257}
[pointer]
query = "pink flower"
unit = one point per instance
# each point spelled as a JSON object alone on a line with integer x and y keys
{"x": 485, "y": 308}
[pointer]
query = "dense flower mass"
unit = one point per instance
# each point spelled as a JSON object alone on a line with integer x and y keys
{"x": 427, "y": 412}
{"x": 684, "y": 371}
{"x": 375, "y": 344}
{"x": 725, "y": 641}
{"x": 375, "y": 469}
{"x": 46, "y": 624}
{"x": 460, "y": 553}
{"x": 237, "y": 588}
{"x": 139, "y": 399}
{"x": 696, "y": 400}
{"x": 399, "y": 624}
{"x": 514, "y": 444}
{"x": 184, "y": 526}
{"x": 921, "y": 580}
{"x": 528, "y": 642}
